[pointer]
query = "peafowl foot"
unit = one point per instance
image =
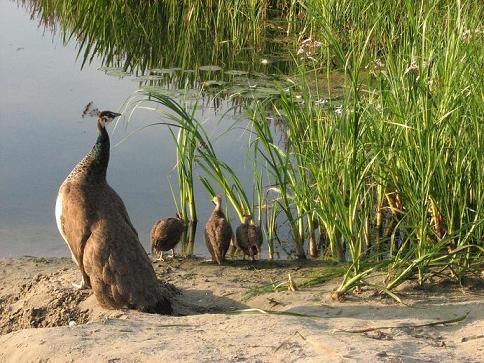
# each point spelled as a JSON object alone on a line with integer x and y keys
{"x": 82, "y": 285}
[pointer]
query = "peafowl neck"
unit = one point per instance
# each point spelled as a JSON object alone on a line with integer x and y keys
{"x": 100, "y": 154}
{"x": 218, "y": 212}
{"x": 93, "y": 167}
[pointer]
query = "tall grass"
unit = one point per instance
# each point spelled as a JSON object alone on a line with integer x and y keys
{"x": 405, "y": 152}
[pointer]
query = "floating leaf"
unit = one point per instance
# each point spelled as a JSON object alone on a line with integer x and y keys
{"x": 164, "y": 70}
{"x": 117, "y": 73}
{"x": 158, "y": 90}
{"x": 114, "y": 71}
{"x": 236, "y": 90}
{"x": 236, "y": 73}
{"x": 189, "y": 94}
{"x": 268, "y": 91}
{"x": 156, "y": 71}
{"x": 213, "y": 83}
{"x": 149, "y": 77}
{"x": 260, "y": 75}
{"x": 210, "y": 68}
{"x": 255, "y": 95}
{"x": 107, "y": 68}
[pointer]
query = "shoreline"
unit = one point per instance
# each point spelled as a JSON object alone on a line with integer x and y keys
{"x": 43, "y": 318}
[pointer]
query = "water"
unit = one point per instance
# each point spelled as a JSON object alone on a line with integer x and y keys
{"x": 44, "y": 90}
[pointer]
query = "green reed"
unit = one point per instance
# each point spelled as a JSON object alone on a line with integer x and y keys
{"x": 401, "y": 166}
{"x": 194, "y": 146}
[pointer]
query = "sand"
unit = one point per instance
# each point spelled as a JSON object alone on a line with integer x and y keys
{"x": 44, "y": 319}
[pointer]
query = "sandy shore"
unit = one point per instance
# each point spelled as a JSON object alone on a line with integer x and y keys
{"x": 42, "y": 318}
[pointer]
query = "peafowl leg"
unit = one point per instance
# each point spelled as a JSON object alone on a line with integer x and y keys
{"x": 161, "y": 257}
{"x": 233, "y": 250}
{"x": 173, "y": 253}
{"x": 83, "y": 285}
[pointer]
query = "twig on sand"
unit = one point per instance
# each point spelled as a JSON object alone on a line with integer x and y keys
{"x": 472, "y": 337}
{"x": 174, "y": 325}
{"x": 440, "y": 322}
{"x": 272, "y": 312}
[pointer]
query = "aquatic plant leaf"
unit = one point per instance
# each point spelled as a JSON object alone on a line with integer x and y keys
{"x": 114, "y": 71}
{"x": 161, "y": 71}
{"x": 210, "y": 68}
{"x": 148, "y": 77}
{"x": 159, "y": 90}
{"x": 267, "y": 91}
{"x": 235, "y": 72}
{"x": 213, "y": 83}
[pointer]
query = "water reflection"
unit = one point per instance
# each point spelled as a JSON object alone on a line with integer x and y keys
{"x": 139, "y": 36}
{"x": 185, "y": 51}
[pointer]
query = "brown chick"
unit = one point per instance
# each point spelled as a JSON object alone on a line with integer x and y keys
{"x": 218, "y": 232}
{"x": 248, "y": 237}
{"x": 165, "y": 235}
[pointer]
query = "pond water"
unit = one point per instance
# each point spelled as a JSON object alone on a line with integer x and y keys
{"x": 46, "y": 82}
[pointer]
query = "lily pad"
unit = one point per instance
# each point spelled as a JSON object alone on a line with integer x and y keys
{"x": 189, "y": 94}
{"x": 267, "y": 91}
{"x": 236, "y": 91}
{"x": 163, "y": 70}
{"x": 213, "y": 83}
{"x": 260, "y": 75}
{"x": 235, "y": 72}
{"x": 114, "y": 71}
{"x": 119, "y": 74}
{"x": 158, "y": 90}
{"x": 149, "y": 77}
{"x": 210, "y": 68}
{"x": 256, "y": 94}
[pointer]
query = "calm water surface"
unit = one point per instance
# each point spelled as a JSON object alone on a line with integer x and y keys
{"x": 43, "y": 136}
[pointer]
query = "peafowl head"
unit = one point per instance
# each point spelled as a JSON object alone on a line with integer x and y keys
{"x": 217, "y": 200}
{"x": 105, "y": 117}
{"x": 247, "y": 218}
